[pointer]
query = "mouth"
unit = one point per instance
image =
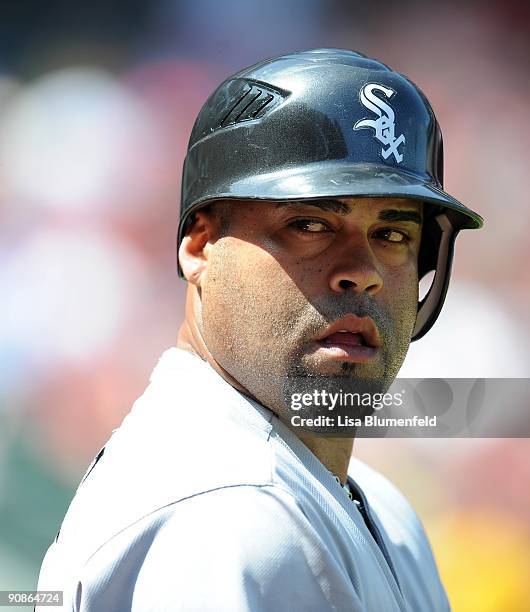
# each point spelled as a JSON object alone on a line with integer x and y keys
{"x": 350, "y": 338}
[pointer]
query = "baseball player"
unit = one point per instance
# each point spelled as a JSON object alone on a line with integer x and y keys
{"x": 312, "y": 205}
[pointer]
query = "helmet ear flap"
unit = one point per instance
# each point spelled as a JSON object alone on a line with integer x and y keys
{"x": 436, "y": 253}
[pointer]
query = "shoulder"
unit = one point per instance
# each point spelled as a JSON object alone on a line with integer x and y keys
{"x": 250, "y": 522}
{"x": 251, "y": 547}
{"x": 175, "y": 444}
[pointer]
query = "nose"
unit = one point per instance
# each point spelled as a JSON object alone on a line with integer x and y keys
{"x": 356, "y": 270}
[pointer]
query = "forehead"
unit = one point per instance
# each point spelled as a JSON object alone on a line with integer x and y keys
{"x": 365, "y": 209}
{"x": 348, "y": 206}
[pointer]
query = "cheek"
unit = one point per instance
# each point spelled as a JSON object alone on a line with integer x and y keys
{"x": 244, "y": 295}
{"x": 402, "y": 281}
{"x": 401, "y": 292}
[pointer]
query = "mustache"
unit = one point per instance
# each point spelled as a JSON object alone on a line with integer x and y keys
{"x": 331, "y": 309}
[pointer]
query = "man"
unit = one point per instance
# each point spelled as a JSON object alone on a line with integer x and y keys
{"x": 312, "y": 204}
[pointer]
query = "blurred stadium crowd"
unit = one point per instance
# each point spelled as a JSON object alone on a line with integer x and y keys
{"x": 96, "y": 106}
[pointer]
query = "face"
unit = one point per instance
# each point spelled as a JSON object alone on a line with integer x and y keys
{"x": 311, "y": 296}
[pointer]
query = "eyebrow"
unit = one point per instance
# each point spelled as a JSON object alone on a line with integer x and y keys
{"x": 400, "y": 214}
{"x": 332, "y": 205}
{"x": 341, "y": 208}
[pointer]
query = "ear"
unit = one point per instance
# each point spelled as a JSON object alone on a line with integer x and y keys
{"x": 195, "y": 246}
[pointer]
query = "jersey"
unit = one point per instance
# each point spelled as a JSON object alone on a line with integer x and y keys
{"x": 203, "y": 499}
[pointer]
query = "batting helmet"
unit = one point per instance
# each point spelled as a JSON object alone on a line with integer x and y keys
{"x": 327, "y": 123}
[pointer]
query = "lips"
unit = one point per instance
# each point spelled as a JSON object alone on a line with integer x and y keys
{"x": 352, "y": 331}
{"x": 347, "y": 338}
{"x": 350, "y": 338}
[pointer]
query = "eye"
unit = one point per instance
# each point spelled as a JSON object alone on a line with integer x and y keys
{"x": 309, "y": 226}
{"x": 392, "y": 235}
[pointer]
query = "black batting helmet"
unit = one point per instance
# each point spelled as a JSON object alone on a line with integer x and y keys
{"x": 327, "y": 123}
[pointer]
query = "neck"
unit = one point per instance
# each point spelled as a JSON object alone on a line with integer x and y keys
{"x": 190, "y": 338}
{"x": 334, "y": 453}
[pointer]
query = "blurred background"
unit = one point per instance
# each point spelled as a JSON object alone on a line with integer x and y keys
{"x": 97, "y": 101}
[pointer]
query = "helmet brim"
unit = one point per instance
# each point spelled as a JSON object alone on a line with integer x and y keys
{"x": 331, "y": 180}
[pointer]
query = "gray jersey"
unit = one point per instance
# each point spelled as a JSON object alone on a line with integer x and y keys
{"x": 204, "y": 500}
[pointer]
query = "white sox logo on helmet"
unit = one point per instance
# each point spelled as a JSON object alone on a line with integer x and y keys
{"x": 384, "y": 126}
